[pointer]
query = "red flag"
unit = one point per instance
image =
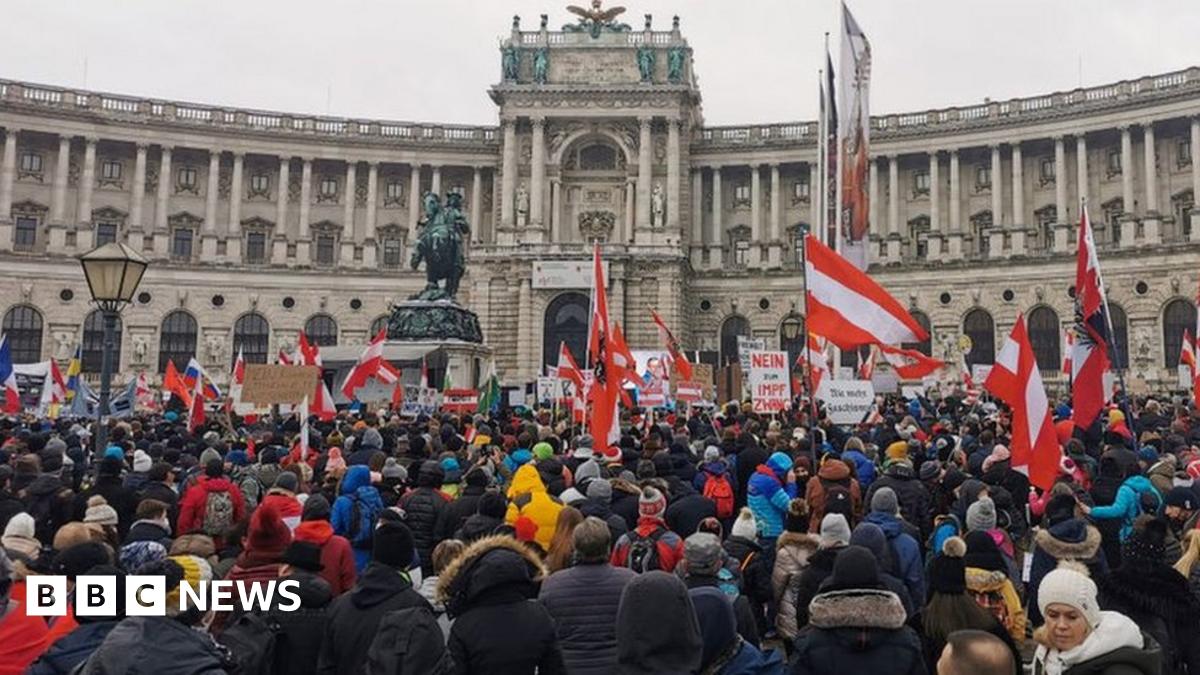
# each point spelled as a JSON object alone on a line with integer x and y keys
{"x": 1187, "y": 352}
{"x": 866, "y": 367}
{"x": 1089, "y": 358}
{"x": 848, "y": 307}
{"x": 173, "y": 382}
{"x": 1016, "y": 380}
{"x": 622, "y": 359}
{"x": 397, "y": 396}
{"x": 606, "y": 384}
{"x": 196, "y": 407}
{"x": 910, "y": 364}
{"x": 814, "y": 359}
{"x": 678, "y": 360}
{"x": 371, "y": 364}
{"x": 568, "y": 369}
{"x": 1069, "y": 340}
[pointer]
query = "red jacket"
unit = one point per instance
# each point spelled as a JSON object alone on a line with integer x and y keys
{"x": 336, "y": 556}
{"x": 669, "y": 545}
{"x": 23, "y": 638}
{"x": 285, "y": 503}
{"x": 191, "y": 510}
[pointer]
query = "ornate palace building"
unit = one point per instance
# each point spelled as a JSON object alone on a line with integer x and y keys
{"x": 259, "y": 224}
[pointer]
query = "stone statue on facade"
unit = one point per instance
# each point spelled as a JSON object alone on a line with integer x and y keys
{"x": 645, "y": 61}
{"x": 522, "y": 205}
{"x": 657, "y": 206}
{"x": 439, "y": 245}
{"x": 510, "y": 62}
{"x": 595, "y": 20}
{"x": 541, "y": 64}
{"x": 675, "y": 64}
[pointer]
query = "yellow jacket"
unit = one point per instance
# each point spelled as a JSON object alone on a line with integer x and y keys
{"x": 527, "y": 497}
{"x": 997, "y": 584}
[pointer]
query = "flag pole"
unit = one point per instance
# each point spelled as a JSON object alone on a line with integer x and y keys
{"x": 821, "y": 140}
{"x": 812, "y": 395}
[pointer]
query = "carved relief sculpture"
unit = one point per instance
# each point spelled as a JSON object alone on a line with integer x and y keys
{"x": 522, "y": 205}
{"x": 595, "y": 20}
{"x": 141, "y": 348}
{"x": 214, "y": 347}
{"x": 657, "y": 206}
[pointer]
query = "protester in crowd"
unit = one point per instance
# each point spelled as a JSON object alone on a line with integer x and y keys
{"x": 22, "y": 637}
{"x": 871, "y": 537}
{"x": 301, "y": 630}
{"x": 658, "y": 632}
{"x": 912, "y": 497}
{"x": 989, "y": 583}
{"x": 562, "y": 545}
{"x": 650, "y": 545}
{"x": 528, "y": 497}
{"x": 72, "y": 649}
{"x": 904, "y": 561}
{"x": 975, "y": 652}
{"x": 488, "y": 517}
{"x": 337, "y": 556}
{"x": 703, "y": 567}
{"x": 355, "y": 513}
{"x": 726, "y": 652}
{"x": 834, "y": 537}
{"x": 793, "y": 550}
{"x": 832, "y": 490}
{"x": 212, "y": 506}
{"x": 1064, "y": 537}
{"x": 282, "y": 498}
{"x": 423, "y": 507}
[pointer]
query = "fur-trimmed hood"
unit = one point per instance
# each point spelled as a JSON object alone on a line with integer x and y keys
{"x": 493, "y": 570}
{"x": 1069, "y": 540}
{"x": 808, "y": 543}
{"x": 985, "y": 581}
{"x": 857, "y": 608}
{"x": 1157, "y": 590}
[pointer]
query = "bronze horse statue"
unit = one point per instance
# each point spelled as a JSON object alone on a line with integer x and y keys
{"x": 440, "y": 246}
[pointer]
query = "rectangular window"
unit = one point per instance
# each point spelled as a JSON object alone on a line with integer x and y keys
{"x": 110, "y": 170}
{"x": 25, "y": 233}
{"x": 394, "y": 192}
{"x": 187, "y": 177}
{"x": 260, "y": 183}
{"x": 31, "y": 161}
{"x": 741, "y": 193}
{"x": 106, "y": 233}
{"x": 392, "y": 256}
{"x": 256, "y": 247}
{"x": 921, "y": 182}
{"x": 329, "y": 187}
{"x": 1047, "y": 169}
{"x": 181, "y": 244}
{"x": 741, "y": 253}
{"x": 983, "y": 177}
{"x": 325, "y": 246}
{"x": 1184, "y": 153}
{"x": 1114, "y": 163}
{"x": 800, "y": 190}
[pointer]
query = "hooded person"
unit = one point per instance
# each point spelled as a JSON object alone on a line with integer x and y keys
{"x": 650, "y": 545}
{"x": 355, "y": 512}
{"x": 1065, "y": 537}
{"x": 476, "y": 482}
{"x": 990, "y": 585}
{"x": 282, "y": 497}
{"x": 792, "y": 552}
{"x": 856, "y": 626}
{"x": 19, "y": 540}
{"x": 528, "y": 497}
{"x": 261, "y": 559}
{"x": 488, "y": 516}
{"x": 905, "y": 562}
{"x": 705, "y": 565}
{"x": 423, "y": 508}
{"x": 384, "y": 586}
{"x": 490, "y": 591}
{"x": 833, "y": 489}
{"x": 834, "y": 536}
{"x": 301, "y": 630}
{"x": 912, "y": 496}
{"x": 871, "y": 537}
{"x": 769, "y": 494}
{"x": 657, "y": 629}
{"x": 725, "y": 651}
{"x": 599, "y": 493}
{"x": 337, "y": 556}
{"x": 1079, "y": 638}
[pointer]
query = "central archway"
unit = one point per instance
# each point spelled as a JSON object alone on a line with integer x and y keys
{"x": 566, "y": 320}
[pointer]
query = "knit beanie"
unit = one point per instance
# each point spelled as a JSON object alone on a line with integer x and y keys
{"x": 392, "y": 469}
{"x": 589, "y": 469}
{"x": 854, "y": 568}
{"x": 871, "y": 537}
{"x": 929, "y": 470}
{"x": 543, "y": 451}
{"x": 796, "y": 519}
{"x": 600, "y": 490}
{"x": 99, "y": 512}
{"x": 999, "y": 454}
{"x": 652, "y": 503}
{"x": 884, "y": 501}
{"x": 897, "y": 450}
{"x": 267, "y": 532}
{"x": 712, "y": 453}
{"x": 393, "y": 545}
{"x": 834, "y": 529}
{"x": 1060, "y": 508}
{"x": 779, "y": 462}
{"x": 744, "y": 526}
{"x": 981, "y": 515}
{"x": 194, "y": 570}
{"x": 20, "y": 525}
{"x": 491, "y": 504}
{"x": 316, "y": 507}
{"x": 137, "y": 553}
{"x": 141, "y": 461}
{"x": 982, "y": 552}
{"x": 947, "y": 572}
{"x": 1070, "y": 585}
{"x": 703, "y": 553}
{"x": 78, "y": 559}
{"x": 209, "y": 455}
{"x": 115, "y": 452}
{"x": 1147, "y": 542}
{"x": 372, "y": 439}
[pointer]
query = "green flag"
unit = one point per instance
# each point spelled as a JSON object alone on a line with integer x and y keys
{"x": 489, "y": 397}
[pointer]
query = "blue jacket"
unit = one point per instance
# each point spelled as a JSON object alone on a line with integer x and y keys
{"x": 749, "y": 660}
{"x": 768, "y": 500}
{"x": 357, "y": 482}
{"x": 72, "y": 649}
{"x": 864, "y": 467}
{"x": 713, "y": 469}
{"x": 1127, "y": 505}
{"x": 908, "y": 565}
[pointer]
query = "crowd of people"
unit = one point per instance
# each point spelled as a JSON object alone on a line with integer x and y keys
{"x": 712, "y": 542}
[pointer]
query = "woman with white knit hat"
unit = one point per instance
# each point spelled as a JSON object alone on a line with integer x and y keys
{"x": 1080, "y": 639}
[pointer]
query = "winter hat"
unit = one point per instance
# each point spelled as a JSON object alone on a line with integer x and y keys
{"x": 334, "y": 462}
{"x": 1147, "y": 542}
{"x": 78, "y": 559}
{"x": 947, "y": 572}
{"x": 834, "y": 529}
{"x": 287, "y": 481}
{"x": 1181, "y": 497}
{"x": 491, "y": 504}
{"x": 209, "y": 455}
{"x": 744, "y": 526}
{"x": 982, "y": 552}
{"x": 543, "y": 451}
{"x": 897, "y": 450}
{"x": 796, "y": 519}
{"x": 572, "y": 497}
{"x": 600, "y": 490}
{"x": 137, "y": 553}
{"x": 525, "y": 529}
{"x": 854, "y": 568}
{"x": 652, "y": 503}
{"x": 115, "y": 452}
{"x": 1060, "y": 508}
{"x": 981, "y": 515}
{"x": 393, "y": 545}
{"x": 929, "y": 470}
{"x": 703, "y": 553}
{"x": 141, "y": 461}
{"x": 1070, "y": 585}
{"x": 316, "y": 507}
{"x": 712, "y": 454}
{"x": 451, "y": 469}
{"x": 391, "y": 469}
{"x": 779, "y": 462}
{"x": 587, "y": 470}
{"x": 999, "y": 454}
{"x": 372, "y": 439}
{"x": 304, "y": 555}
{"x": 718, "y": 625}
{"x": 870, "y": 537}
{"x": 884, "y": 501}
{"x": 583, "y": 447}
{"x": 20, "y": 525}
{"x": 194, "y": 570}
{"x": 1148, "y": 455}
{"x": 99, "y": 512}
{"x": 267, "y": 532}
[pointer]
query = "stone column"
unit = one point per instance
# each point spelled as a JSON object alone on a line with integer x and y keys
{"x": 955, "y": 226}
{"x": 304, "y": 243}
{"x": 525, "y": 365}
{"x": 1020, "y": 224}
{"x": 414, "y": 198}
{"x": 756, "y": 234}
{"x": 626, "y": 233}
{"x": 697, "y": 216}
{"x": 877, "y": 227}
{"x": 1195, "y": 234}
{"x": 162, "y": 205}
{"x": 674, "y": 189}
{"x": 934, "y": 238}
{"x": 1128, "y": 224}
{"x": 87, "y": 183}
{"x": 435, "y": 181}
{"x": 774, "y": 246}
{"x": 894, "y": 237}
{"x": 208, "y": 241}
{"x": 1150, "y": 224}
{"x": 1081, "y": 168}
{"x": 138, "y": 197}
{"x": 645, "y": 164}
{"x": 8, "y": 174}
{"x": 477, "y": 204}
{"x": 62, "y": 168}
{"x": 996, "y": 235}
{"x": 616, "y": 297}
{"x": 717, "y": 243}
{"x": 279, "y": 243}
{"x": 233, "y": 242}
{"x": 349, "y": 238}
{"x": 1061, "y": 206}
{"x": 508, "y": 175}
{"x": 556, "y": 229}
{"x": 369, "y": 246}
{"x": 537, "y": 174}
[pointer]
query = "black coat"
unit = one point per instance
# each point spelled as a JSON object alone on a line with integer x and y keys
{"x": 625, "y": 505}
{"x": 756, "y": 575}
{"x": 123, "y": 500}
{"x": 583, "y": 602}
{"x": 1160, "y": 601}
{"x": 478, "y": 526}
{"x": 50, "y": 504}
{"x": 353, "y": 618}
{"x": 820, "y": 567}
{"x": 422, "y": 509}
{"x": 156, "y": 644}
{"x": 911, "y": 495}
{"x": 457, "y": 511}
{"x": 163, "y": 493}
{"x": 859, "y": 631}
{"x": 747, "y": 461}
{"x": 684, "y": 514}
{"x": 298, "y": 644}
{"x": 146, "y": 530}
{"x": 499, "y": 627}
{"x": 72, "y": 649}
{"x": 603, "y": 511}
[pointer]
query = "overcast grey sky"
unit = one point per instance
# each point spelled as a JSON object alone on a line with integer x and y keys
{"x": 432, "y": 60}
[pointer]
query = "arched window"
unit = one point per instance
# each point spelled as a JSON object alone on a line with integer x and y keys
{"x": 1179, "y": 315}
{"x": 734, "y": 326}
{"x": 378, "y": 325}
{"x": 23, "y": 328}
{"x": 177, "y": 340}
{"x": 321, "y": 330}
{"x": 979, "y": 326}
{"x": 252, "y": 335}
{"x": 1045, "y": 336}
{"x": 566, "y": 320}
{"x": 93, "y": 343}
{"x": 1120, "y": 327}
{"x": 925, "y": 347}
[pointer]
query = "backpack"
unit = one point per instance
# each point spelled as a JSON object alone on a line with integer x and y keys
{"x": 839, "y": 500}
{"x": 643, "y": 551}
{"x": 250, "y": 640}
{"x": 718, "y": 490}
{"x": 218, "y": 513}
{"x": 45, "y": 510}
{"x": 361, "y": 524}
{"x": 408, "y": 641}
{"x": 252, "y": 490}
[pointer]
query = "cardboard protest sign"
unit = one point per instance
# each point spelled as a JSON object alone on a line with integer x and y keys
{"x": 270, "y": 384}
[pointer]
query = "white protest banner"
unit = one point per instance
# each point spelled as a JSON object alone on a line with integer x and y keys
{"x": 849, "y": 401}
{"x": 747, "y": 345}
{"x": 912, "y": 391}
{"x": 547, "y": 390}
{"x": 419, "y": 400}
{"x": 770, "y": 385}
{"x": 979, "y": 373}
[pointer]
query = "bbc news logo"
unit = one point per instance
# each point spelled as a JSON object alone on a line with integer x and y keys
{"x": 96, "y": 595}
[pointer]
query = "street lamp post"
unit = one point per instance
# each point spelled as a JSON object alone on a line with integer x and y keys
{"x": 113, "y": 272}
